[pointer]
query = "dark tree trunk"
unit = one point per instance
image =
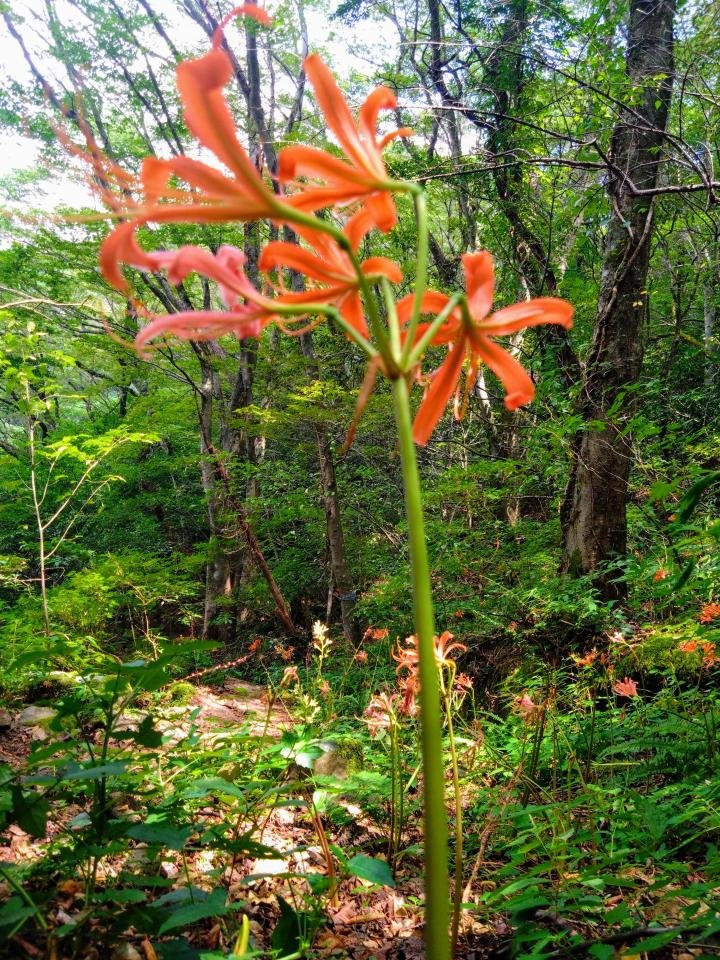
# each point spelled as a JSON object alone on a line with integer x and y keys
{"x": 594, "y": 511}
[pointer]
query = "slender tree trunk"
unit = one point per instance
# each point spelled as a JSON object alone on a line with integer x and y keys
{"x": 505, "y": 75}
{"x": 339, "y": 566}
{"x": 594, "y": 510}
{"x": 219, "y": 579}
{"x": 710, "y": 313}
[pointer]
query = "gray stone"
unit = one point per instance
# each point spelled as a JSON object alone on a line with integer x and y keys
{"x": 33, "y": 716}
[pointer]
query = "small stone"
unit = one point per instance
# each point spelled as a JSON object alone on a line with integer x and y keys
{"x": 169, "y": 869}
{"x": 270, "y": 867}
{"x": 5, "y": 720}
{"x": 126, "y": 951}
{"x": 33, "y": 716}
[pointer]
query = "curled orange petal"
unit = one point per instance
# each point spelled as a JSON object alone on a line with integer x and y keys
{"x": 479, "y": 283}
{"x": 381, "y": 265}
{"x": 532, "y": 313}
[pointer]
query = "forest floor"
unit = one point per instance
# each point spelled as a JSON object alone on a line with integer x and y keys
{"x": 291, "y": 846}
{"x": 362, "y": 919}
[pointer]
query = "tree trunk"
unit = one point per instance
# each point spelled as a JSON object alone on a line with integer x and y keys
{"x": 339, "y": 567}
{"x": 505, "y": 76}
{"x": 218, "y": 570}
{"x": 594, "y": 511}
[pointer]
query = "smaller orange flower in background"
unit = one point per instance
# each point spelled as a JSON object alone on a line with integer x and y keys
{"x": 376, "y": 633}
{"x": 290, "y": 676}
{"x": 525, "y": 706}
{"x": 361, "y": 656}
{"x": 709, "y": 656}
{"x": 626, "y": 688}
{"x": 661, "y": 574}
{"x": 688, "y": 646}
{"x": 380, "y": 713}
{"x": 587, "y": 660}
{"x": 710, "y": 612}
{"x": 408, "y": 657}
{"x": 409, "y": 687}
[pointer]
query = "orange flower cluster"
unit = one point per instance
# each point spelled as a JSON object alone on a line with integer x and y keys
{"x": 707, "y": 648}
{"x": 710, "y": 612}
{"x": 357, "y": 186}
{"x": 380, "y": 713}
{"x": 408, "y": 659}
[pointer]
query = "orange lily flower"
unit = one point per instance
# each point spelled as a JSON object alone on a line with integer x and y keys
{"x": 331, "y": 268}
{"x": 626, "y": 688}
{"x": 474, "y": 340}
{"x": 362, "y": 175}
{"x": 248, "y": 311}
{"x": 211, "y": 196}
{"x": 408, "y": 657}
{"x": 380, "y": 713}
{"x": 710, "y": 612}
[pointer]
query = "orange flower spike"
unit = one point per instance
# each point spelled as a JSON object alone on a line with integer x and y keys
{"x": 710, "y": 612}
{"x": 471, "y": 331}
{"x": 362, "y": 176}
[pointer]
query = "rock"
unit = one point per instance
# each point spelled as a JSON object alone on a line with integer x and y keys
{"x": 169, "y": 869}
{"x": 269, "y": 867}
{"x": 35, "y": 716}
{"x": 126, "y": 951}
{"x": 5, "y": 720}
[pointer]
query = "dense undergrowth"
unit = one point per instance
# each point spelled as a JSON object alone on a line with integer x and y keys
{"x": 590, "y": 808}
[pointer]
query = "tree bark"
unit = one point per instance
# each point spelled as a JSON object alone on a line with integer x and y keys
{"x": 339, "y": 566}
{"x": 594, "y": 514}
{"x": 505, "y": 77}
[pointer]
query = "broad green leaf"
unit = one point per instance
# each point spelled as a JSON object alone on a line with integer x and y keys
{"x": 371, "y": 869}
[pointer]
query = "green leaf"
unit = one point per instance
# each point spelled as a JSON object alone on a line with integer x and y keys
{"x": 371, "y": 869}
{"x": 602, "y": 951}
{"x": 122, "y": 896}
{"x": 15, "y": 912}
{"x": 691, "y": 499}
{"x": 655, "y": 942}
{"x": 214, "y": 906}
{"x": 158, "y": 831}
{"x": 286, "y": 935}
{"x": 146, "y": 734}
{"x": 205, "y": 786}
{"x": 76, "y": 772}
{"x": 30, "y": 811}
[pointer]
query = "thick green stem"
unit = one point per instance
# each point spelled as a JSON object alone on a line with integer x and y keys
{"x": 435, "y": 820}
